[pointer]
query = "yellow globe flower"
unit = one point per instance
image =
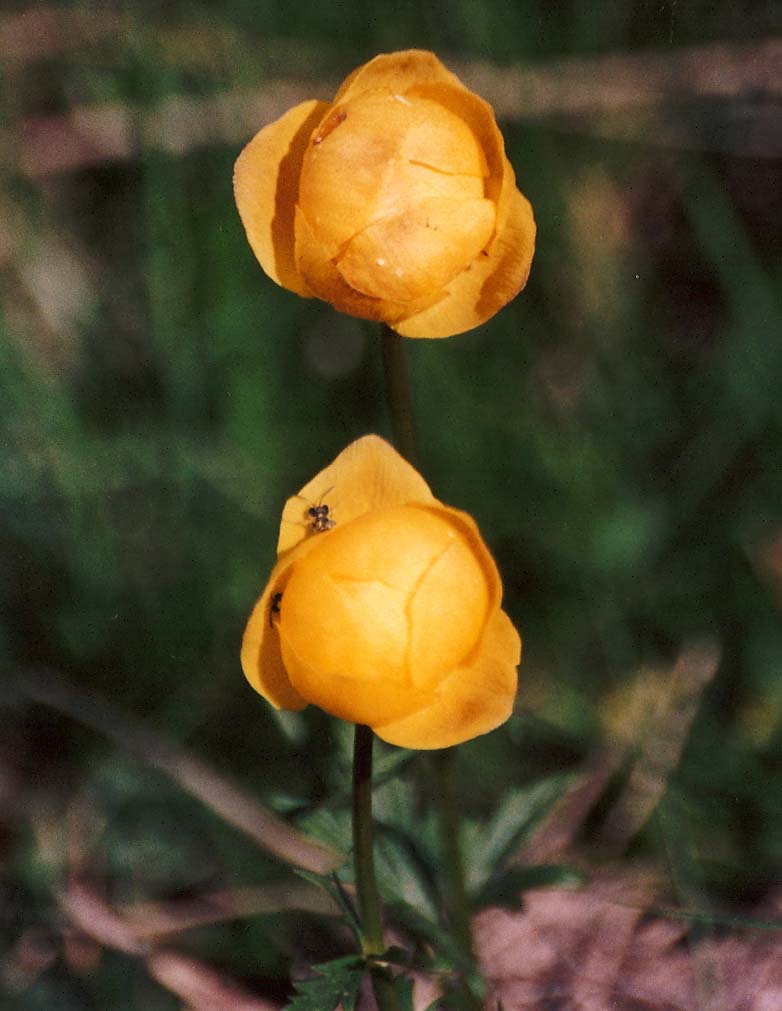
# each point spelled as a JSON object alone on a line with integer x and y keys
{"x": 394, "y": 203}
{"x": 383, "y": 608}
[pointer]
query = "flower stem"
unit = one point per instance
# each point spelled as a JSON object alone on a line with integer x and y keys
{"x": 444, "y": 779}
{"x": 363, "y": 840}
{"x": 398, "y": 396}
{"x": 363, "y": 857}
{"x": 400, "y": 405}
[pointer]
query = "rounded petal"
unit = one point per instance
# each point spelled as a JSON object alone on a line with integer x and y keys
{"x": 348, "y": 699}
{"x": 325, "y": 281}
{"x": 478, "y": 116}
{"x": 413, "y": 181}
{"x": 419, "y": 249}
{"x": 261, "y": 657}
{"x": 470, "y": 532}
{"x": 447, "y": 612}
{"x": 266, "y": 186}
{"x": 441, "y": 138}
{"x": 346, "y": 163}
{"x": 397, "y": 72}
{"x": 368, "y": 474}
{"x": 473, "y": 700}
{"x": 490, "y": 282}
{"x": 351, "y": 164}
{"x": 382, "y": 609}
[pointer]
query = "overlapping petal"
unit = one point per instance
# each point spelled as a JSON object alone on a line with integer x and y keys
{"x": 368, "y": 474}
{"x": 261, "y": 655}
{"x": 395, "y": 203}
{"x": 491, "y": 281}
{"x": 397, "y": 72}
{"x": 266, "y": 188}
{"x": 476, "y": 698}
{"x": 389, "y": 616}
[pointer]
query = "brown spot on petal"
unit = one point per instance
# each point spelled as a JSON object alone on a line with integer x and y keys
{"x": 331, "y": 123}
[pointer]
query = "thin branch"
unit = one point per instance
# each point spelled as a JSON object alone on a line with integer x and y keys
{"x": 195, "y": 982}
{"x": 192, "y": 774}
{"x": 159, "y": 919}
{"x": 656, "y": 97}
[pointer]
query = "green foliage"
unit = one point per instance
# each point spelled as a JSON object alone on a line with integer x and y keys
{"x": 507, "y": 887}
{"x": 518, "y": 813}
{"x": 333, "y": 887}
{"x": 337, "y": 982}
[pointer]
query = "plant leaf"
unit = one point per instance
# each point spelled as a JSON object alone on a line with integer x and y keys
{"x": 335, "y": 890}
{"x": 506, "y": 889}
{"x": 337, "y": 982}
{"x": 516, "y": 817}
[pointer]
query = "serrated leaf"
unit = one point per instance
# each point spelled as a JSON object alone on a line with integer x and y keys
{"x": 402, "y": 871}
{"x": 487, "y": 848}
{"x": 337, "y": 982}
{"x": 331, "y": 825}
{"x": 334, "y": 888}
{"x": 506, "y": 889}
{"x": 396, "y": 806}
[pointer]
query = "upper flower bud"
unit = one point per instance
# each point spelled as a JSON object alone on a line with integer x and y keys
{"x": 395, "y": 202}
{"x": 391, "y": 615}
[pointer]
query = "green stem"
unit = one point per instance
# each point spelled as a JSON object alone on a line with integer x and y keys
{"x": 363, "y": 842}
{"x": 398, "y": 396}
{"x": 444, "y": 765}
{"x": 400, "y": 405}
{"x": 364, "y": 859}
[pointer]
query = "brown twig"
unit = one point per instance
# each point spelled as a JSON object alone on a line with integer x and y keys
{"x": 656, "y": 741}
{"x": 195, "y": 982}
{"x": 159, "y": 919}
{"x": 646, "y": 96}
{"x": 192, "y": 774}
{"x": 660, "y": 743}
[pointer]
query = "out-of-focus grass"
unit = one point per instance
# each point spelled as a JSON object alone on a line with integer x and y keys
{"x": 615, "y": 431}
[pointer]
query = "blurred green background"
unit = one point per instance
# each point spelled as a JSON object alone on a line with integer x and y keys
{"x": 616, "y": 432}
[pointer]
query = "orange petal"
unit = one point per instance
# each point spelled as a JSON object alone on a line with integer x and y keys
{"x": 441, "y": 137}
{"x": 471, "y": 533}
{"x": 266, "y": 185}
{"x": 418, "y": 250}
{"x": 326, "y": 282}
{"x": 411, "y": 181}
{"x": 344, "y": 169}
{"x": 350, "y": 167}
{"x": 478, "y": 115}
{"x": 367, "y": 474}
{"x": 349, "y": 699}
{"x": 395, "y": 71}
{"x": 261, "y": 657}
{"x": 447, "y": 613}
{"x": 491, "y": 281}
{"x": 381, "y": 609}
{"x": 473, "y": 700}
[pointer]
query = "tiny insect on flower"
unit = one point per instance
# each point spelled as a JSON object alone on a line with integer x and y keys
{"x": 321, "y": 521}
{"x": 318, "y": 514}
{"x": 393, "y": 619}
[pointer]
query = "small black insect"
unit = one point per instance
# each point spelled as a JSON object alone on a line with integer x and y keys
{"x": 274, "y": 607}
{"x": 320, "y": 519}
{"x": 319, "y": 514}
